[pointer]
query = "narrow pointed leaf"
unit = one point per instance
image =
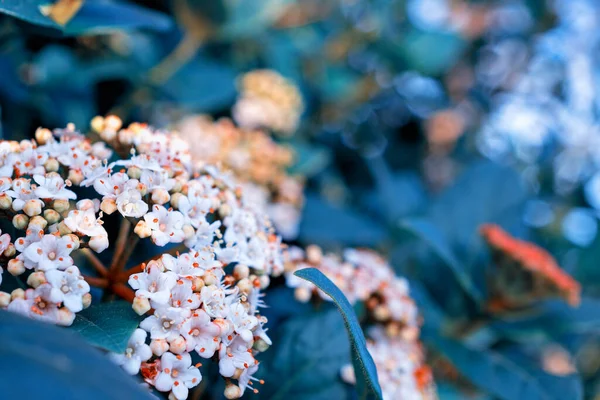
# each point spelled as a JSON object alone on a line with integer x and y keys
{"x": 366, "y": 373}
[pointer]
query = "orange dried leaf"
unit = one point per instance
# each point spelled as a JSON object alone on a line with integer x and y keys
{"x": 61, "y": 11}
{"x": 534, "y": 260}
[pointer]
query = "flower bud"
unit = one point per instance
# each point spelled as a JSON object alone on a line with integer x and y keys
{"x": 113, "y": 122}
{"x": 52, "y": 216}
{"x": 97, "y": 124}
{"x": 160, "y": 196}
{"x": 32, "y": 207}
{"x": 241, "y": 271}
{"x": 99, "y": 243}
{"x": 238, "y": 372}
{"x": 17, "y": 294}
{"x": 75, "y": 176}
{"x": 197, "y": 284}
{"x": 141, "y": 305}
{"x": 381, "y": 313}
{"x": 85, "y": 204}
{"x": 10, "y": 251}
{"x": 159, "y": 347}
{"x": 224, "y": 210}
{"x": 188, "y": 231}
{"x": 245, "y": 286}
{"x": 210, "y": 279}
{"x": 63, "y": 229}
{"x": 38, "y": 222}
{"x": 36, "y": 279}
{"x": 4, "y": 299}
{"x": 175, "y": 197}
{"x": 264, "y": 281}
{"x": 232, "y": 391}
{"x": 20, "y": 221}
{"x": 178, "y": 345}
{"x": 51, "y": 165}
{"x": 260, "y": 345}
{"x": 142, "y": 230}
{"x": 108, "y": 206}
{"x": 65, "y": 317}
{"x": 302, "y": 294}
{"x": 86, "y": 300}
{"x": 61, "y": 205}
{"x": 5, "y": 201}
{"x": 314, "y": 254}
{"x": 134, "y": 172}
{"x": 177, "y": 186}
{"x": 15, "y": 267}
{"x": 42, "y": 135}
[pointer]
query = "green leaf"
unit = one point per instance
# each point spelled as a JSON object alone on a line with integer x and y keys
{"x": 307, "y": 356}
{"x": 502, "y": 377}
{"x": 94, "y": 17}
{"x": 364, "y": 367}
{"x": 323, "y": 222}
{"x": 202, "y": 85}
{"x": 429, "y": 233}
{"x": 106, "y": 16}
{"x": 28, "y": 10}
{"x": 107, "y": 325}
{"x": 42, "y": 361}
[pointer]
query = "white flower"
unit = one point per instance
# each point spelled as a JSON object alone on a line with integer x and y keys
{"x": 164, "y": 324}
{"x": 195, "y": 207}
{"x": 154, "y": 284}
{"x": 166, "y": 226}
{"x": 4, "y": 241}
{"x": 215, "y": 301}
{"x": 51, "y": 252}
{"x": 52, "y": 186}
{"x": 177, "y": 375}
{"x": 99, "y": 243}
{"x": 21, "y": 192}
{"x": 136, "y": 352}
{"x": 37, "y": 304}
{"x": 201, "y": 334}
{"x": 68, "y": 287}
{"x": 30, "y": 162}
{"x": 204, "y": 236}
{"x": 111, "y": 186}
{"x": 183, "y": 298}
{"x": 235, "y": 356}
{"x": 85, "y": 222}
{"x": 243, "y": 323}
{"x": 131, "y": 204}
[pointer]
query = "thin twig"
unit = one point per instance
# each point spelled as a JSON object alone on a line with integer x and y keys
{"x": 95, "y": 261}
{"x": 123, "y": 291}
{"x": 121, "y": 243}
{"x": 96, "y": 281}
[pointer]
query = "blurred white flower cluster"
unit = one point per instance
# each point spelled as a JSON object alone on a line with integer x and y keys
{"x": 268, "y": 100}
{"x": 393, "y": 339}
{"x": 544, "y": 93}
{"x": 257, "y": 161}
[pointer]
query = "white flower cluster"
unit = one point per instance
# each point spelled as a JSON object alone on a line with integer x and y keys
{"x": 197, "y": 306}
{"x": 363, "y": 275}
{"x": 36, "y": 194}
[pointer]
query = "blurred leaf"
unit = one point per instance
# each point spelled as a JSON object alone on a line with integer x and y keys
{"x": 428, "y": 232}
{"x": 43, "y": 361}
{"x": 62, "y": 11}
{"x": 367, "y": 383}
{"x": 106, "y": 16}
{"x": 107, "y": 325}
{"x": 325, "y": 223}
{"x": 307, "y": 356}
{"x": 28, "y": 10}
{"x": 309, "y": 159}
{"x": 202, "y": 85}
{"x": 94, "y": 17}
{"x": 502, "y": 377}
{"x": 416, "y": 49}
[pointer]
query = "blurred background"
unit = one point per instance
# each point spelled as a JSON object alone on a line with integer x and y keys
{"x": 421, "y": 120}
